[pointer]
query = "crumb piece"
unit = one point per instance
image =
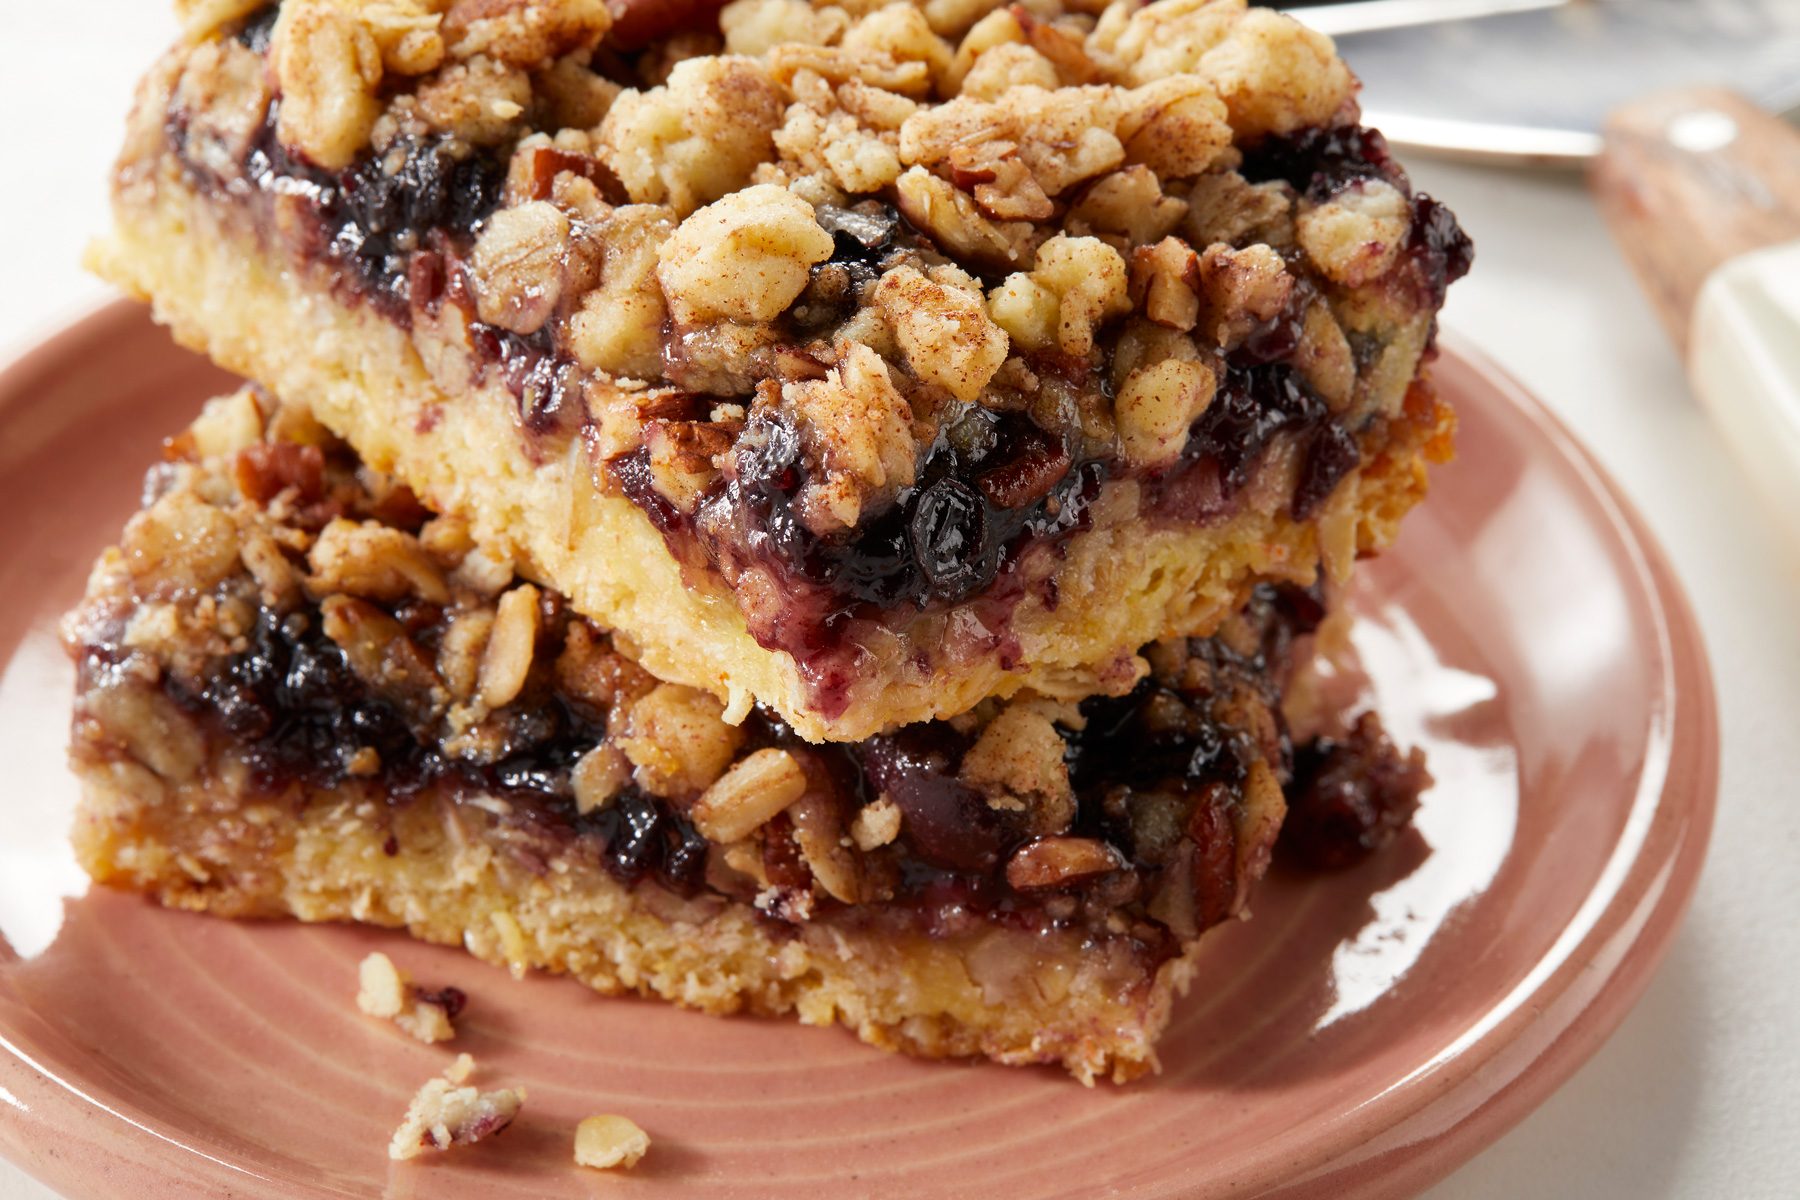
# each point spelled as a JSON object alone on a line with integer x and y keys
{"x": 858, "y": 439}
{"x": 943, "y": 330}
{"x": 875, "y": 824}
{"x": 696, "y": 138}
{"x": 678, "y": 742}
{"x": 1017, "y": 763}
{"x": 744, "y": 258}
{"x": 609, "y": 1141}
{"x": 384, "y": 991}
{"x": 447, "y": 1113}
{"x": 1358, "y": 234}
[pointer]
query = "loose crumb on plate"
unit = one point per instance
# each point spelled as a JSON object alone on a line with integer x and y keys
{"x": 609, "y": 1141}
{"x": 446, "y": 1112}
{"x": 385, "y": 991}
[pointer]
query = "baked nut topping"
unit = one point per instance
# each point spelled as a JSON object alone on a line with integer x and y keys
{"x": 466, "y": 754}
{"x": 841, "y": 488}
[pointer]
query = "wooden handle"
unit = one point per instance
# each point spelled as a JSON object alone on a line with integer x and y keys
{"x": 1689, "y": 179}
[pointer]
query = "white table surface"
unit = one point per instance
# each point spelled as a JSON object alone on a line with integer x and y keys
{"x": 1698, "y": 1094}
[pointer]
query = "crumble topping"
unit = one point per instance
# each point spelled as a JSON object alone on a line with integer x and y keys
{"x": 447, "y": 1112}
{"x": 744, "y": 258}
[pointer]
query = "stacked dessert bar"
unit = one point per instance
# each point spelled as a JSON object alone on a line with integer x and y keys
{"x": 801, "y": 507}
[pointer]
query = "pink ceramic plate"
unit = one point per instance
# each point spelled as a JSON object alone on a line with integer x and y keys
{"x": 1362, "y": 1036}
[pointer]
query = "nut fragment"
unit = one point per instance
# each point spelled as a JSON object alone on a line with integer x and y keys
{"x": 374, "y": 561}
{"x": 819, "y": 832}
{"x": 743, "y": 799}
{"x": 507, "y": 660}
{"x": 1053, "y": 862}
{"x": 382, "y": 655}
{"x": 1239, "y": 289}
{"x": 1129, "y": 203}
{"x": 954, "y": 220}
{"x": 609, "y": 1141}
{"x": 179, "y": 543}
{"x": 683, "y": 459}
{"x": 598, "y": 776}
{"x": 517, "y": 266}
{"x": 1161, "y": 278}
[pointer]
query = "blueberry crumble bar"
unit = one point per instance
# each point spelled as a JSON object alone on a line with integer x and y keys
{"x": 300, "y": 693}
{"x": 859, "y": 365}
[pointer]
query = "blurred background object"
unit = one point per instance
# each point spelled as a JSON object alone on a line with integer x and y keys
{"x": 1533, "y": 80}
{"x": 1701, "y": 189}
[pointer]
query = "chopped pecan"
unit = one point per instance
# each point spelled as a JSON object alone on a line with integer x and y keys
{"x": 1053, "y": 862}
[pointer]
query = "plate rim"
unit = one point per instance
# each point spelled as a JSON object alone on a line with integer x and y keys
{"x": 1392, "y": 1147}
